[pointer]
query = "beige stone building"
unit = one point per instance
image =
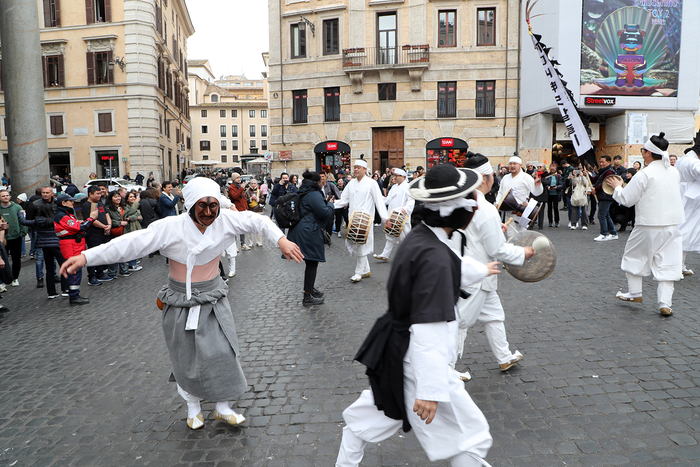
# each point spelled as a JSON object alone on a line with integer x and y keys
{"x": 229, "y": 119}
{"x": 116, "y": 93}
{"x": 406, "y": 82}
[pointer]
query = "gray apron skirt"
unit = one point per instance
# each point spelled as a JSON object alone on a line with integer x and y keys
{"x": 205, "y": 360}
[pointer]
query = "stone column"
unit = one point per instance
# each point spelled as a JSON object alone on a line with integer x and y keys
{"x": 24, "y": 95}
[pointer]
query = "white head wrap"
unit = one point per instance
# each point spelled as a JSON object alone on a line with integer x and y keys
{"x": 400, "y": 172}
{"x": 446, "y": 208}
{"x": 515, "y": 159}
{"x": 483, "y": 169}
{"x": 22, "y": 197}
{"x": 651, "y": 147}
{"x": 196, "y": 189}
{"x": 361, "y": 163}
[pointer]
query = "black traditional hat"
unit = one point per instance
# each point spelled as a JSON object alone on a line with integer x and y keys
{"x": 444, "y": 182}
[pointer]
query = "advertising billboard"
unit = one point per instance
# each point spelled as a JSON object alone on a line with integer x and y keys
{"x": 630, "y": 47}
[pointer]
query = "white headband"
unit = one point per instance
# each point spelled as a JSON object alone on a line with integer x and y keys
{"x": 483, "y": 169}
{"x": 651, "y": 147}
{"x": 361, "y": 163}
{"x": 515, "y": 159}
{"x": 400, "y": 172}
{"x": 446, "y": 208}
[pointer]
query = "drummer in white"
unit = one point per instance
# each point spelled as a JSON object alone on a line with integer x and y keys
{"x": 362, "y": 194}
{"x": 655, "y": 246}
{"x": 398, "y": 199}
{"x": 689, "y": 168}
{"x": 519, "y": 183}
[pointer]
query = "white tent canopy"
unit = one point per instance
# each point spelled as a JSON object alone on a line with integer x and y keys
{"x": 259, "y": 160}
{"x": 205, "y": 163}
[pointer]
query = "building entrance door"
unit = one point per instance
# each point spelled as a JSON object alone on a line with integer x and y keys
{"x": 107, "y": 164}
{"x": 387, "y": 148}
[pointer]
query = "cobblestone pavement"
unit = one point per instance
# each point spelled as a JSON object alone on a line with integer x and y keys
{"x": 602, "y": 383}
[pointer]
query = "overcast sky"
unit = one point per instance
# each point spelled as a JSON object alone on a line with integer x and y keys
{"x": 231, "y": 34}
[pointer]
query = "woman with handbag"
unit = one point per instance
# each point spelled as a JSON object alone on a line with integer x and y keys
{"x": 252, "y": 196}
{"x": 308, "y": 233}
{"x": 119, "y": 224}
{"x": 581, "y": 188}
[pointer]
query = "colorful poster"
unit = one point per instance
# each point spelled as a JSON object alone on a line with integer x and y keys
{"x": 631, "y": 47}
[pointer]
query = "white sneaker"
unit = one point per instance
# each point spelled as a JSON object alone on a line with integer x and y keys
{"x": 258, "y": 244}
{"x": 569, "y": 224}
{"x": 612, "y": 237}
{"x": 585, "y": 227}
{"x": 466, "y": 376}
{"x": 339, "y": 235}
{"x": 356, "y": 278}
{"x": 15, "y": 283}
{"x": 3, "y": 288}
{"x": 231, "y": 274}
{"x": 578, "y": 225}
{"x": 687, "y": 272}
{"x": 572, "y": 227}
{"x": 601, "y": 238}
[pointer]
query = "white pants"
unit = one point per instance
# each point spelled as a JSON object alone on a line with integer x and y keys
{"x": 485, "y": 307}
{"x": 391, "y": 242}
{"x": 254, "y": 238}
{"x": 458, "y": 432}
{"x": 654, "y": 251}
{"x": 362, "y": 266}
{"x": 664, "y": 291}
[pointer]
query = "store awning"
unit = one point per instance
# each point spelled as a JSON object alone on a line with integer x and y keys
{"x": 259, "y": 160}
{"x": 332, "y": 146}
{"x": 447, "y": 143}
{"x": 205, "y": 163}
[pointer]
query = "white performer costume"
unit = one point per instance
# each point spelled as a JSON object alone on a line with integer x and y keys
{"x": 486, "y": 243}
{"x": 688, "y": 167}
{"x": 459, "y": 432}
{"x": 655, "y": 246}
{"x": 398, "y": 199}
{"x": 232, "y": 250}
{"x": 363, "y": 195}
{"x": 520, "y": 185}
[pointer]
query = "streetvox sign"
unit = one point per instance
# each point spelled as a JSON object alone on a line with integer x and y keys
{"x": 599, "y": 100}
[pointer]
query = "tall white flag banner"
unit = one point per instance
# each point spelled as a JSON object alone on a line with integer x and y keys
{"x": 563, "y": 97}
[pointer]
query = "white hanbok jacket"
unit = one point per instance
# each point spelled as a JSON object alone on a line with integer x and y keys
{"x": 688, "y": 167}
{"x": 521, "y": 186}
{"x": 363, "y": 196}
{"x": 178, "y": 238}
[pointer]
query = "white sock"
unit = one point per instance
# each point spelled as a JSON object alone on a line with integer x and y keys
{"x": 224, "y": 409}
{"x": 193, "y": 408}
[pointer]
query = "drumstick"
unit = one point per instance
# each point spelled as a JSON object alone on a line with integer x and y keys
{"x": 593, "y": 187}
{"x": 508, "y": 222}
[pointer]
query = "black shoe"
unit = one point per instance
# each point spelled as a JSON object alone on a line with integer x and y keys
{"x": 310, "y": 300}
{"x": 40, "y": 283}
{"x": 105, "y": 278}
{"x": 80, "y": 301}
{"x": 126, "y": 274}
{"x": 4, "y": 309}
{"x": 317, "y": 293}
{"x": 94, "y": 281}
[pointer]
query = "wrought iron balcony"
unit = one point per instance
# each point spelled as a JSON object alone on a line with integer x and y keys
{"x": 405, "y": 56}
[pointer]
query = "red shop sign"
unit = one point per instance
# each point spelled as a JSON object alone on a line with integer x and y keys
{"x": 331, "y": 146}
{"x": 447, "y": 142}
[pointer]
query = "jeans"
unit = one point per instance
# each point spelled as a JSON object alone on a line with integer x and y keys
{"x": 49, "y": 254}
{"x": 32, "y": 237}
{"x": 579, "y": 212}
{"x": 567, "y": 200}
{"x": 310, "y": 275}
{"x": 606, "y": 223}
{"x": 39, "y": 263}
{"x": 112, "y": 269}
{"x": 553, "y": 206}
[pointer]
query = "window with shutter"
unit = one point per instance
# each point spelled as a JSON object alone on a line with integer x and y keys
{"x": 52, "y": 13}
{"x": 104, "y": 122}
{"x": 53, "y": 71}
{"x": 56, "y": 124}
{"x": 89, "y": 11}
{"x": 204, "y": 145}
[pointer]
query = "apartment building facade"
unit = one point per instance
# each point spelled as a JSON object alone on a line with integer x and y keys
{"x": 404, "y": 82}
{"x": 229, "y": 119}
{"x": 115, "y": 84}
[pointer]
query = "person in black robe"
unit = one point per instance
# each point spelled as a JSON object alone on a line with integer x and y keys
{"x": 409, "y": 351}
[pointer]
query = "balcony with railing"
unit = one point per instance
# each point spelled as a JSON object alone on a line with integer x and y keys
{"x": 360, "y": 60}
{"x": 405, "y": 56}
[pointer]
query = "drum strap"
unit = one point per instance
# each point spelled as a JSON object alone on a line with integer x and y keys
{"x": 464, "y": 242}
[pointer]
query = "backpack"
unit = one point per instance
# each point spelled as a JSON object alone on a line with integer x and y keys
{"x": 287, "y": 211}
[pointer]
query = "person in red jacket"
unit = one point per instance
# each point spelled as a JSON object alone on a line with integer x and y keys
{"x": 71, "y": 239}
{"x": 236, "y": 194}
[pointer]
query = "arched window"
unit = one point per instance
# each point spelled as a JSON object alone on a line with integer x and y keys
{"x": 214, "y": 98}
